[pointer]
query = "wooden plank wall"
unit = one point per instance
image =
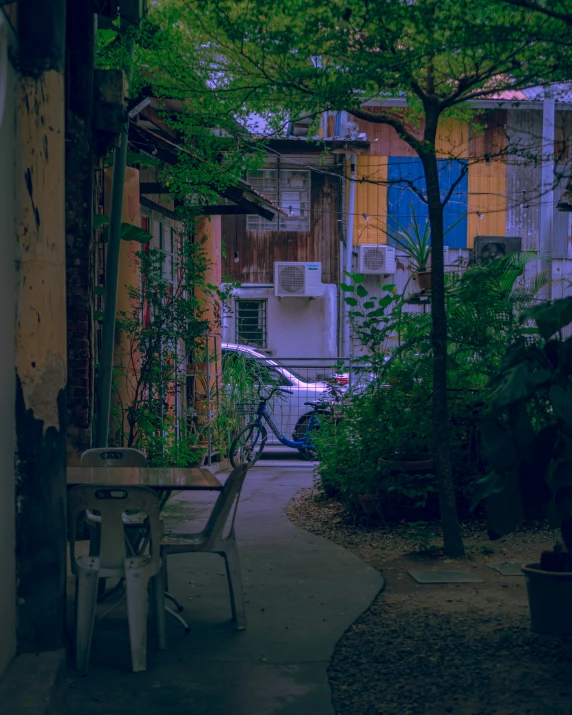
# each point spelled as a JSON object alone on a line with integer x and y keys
{"x": 258, "y": 250}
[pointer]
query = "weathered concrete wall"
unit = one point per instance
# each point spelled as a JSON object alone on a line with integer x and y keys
{"x": 41, "y": 328}
{"x": 7, "y": 391}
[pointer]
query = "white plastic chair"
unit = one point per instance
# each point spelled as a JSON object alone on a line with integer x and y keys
{"x": 113, "y": 457}
{"x": 113, "y": 562}
{"x": 213, "y": 539}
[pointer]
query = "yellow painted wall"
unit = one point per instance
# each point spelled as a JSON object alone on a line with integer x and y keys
{"x": 371, "y": 200}
{"x": 487, "y": 200}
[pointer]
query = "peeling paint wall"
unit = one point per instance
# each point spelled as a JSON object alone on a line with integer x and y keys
{"x": 7, "y": 391}
{"x": 41, "y": 347}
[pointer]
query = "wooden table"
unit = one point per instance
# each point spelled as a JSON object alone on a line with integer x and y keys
{"x": 160, "y": 478}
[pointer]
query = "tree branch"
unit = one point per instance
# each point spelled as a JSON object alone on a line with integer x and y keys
{"x": 393, "y": 121}
{"x": 537, "y": 7}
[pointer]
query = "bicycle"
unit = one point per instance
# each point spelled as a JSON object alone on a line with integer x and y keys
{"x": 249, "y": 443}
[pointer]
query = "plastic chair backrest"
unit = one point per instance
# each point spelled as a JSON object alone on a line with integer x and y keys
{"x": 111, "y": 502}
{"x": 228, "y": 497}
{"x": 113, "y": 457}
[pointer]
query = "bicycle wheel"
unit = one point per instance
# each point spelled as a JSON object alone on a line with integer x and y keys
{"x": 247, "y": 446}
{"x": 308, "y": 452}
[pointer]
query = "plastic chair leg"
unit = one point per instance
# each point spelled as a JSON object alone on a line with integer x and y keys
{"x": 165, "y": 572}
{"x": 174, "y": 601}
{"x": 86, "y": 601}
{"x": 94, "y": 548}
{"x": 235, "y": 585}
{"x": 136, "y": 583}
{"x": 159, "y": 608}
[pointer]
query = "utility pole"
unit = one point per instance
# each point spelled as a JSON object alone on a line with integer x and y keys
{"x": 547, "y": 192}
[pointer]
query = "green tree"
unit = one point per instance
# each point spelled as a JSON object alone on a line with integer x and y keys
{"x": 301, "y": 57}
{"x": 560, "y": 10}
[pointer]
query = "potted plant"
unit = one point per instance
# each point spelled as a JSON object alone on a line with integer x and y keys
{"x": 416, "y": 242}
{"x": 527, "y": 440}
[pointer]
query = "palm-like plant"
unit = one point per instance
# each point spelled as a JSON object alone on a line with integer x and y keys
{"x": 414, "y": 240}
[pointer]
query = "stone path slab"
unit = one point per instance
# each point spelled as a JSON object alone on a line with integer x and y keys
{"x": 507, "y": 568}
{"x": 445, "y": 576}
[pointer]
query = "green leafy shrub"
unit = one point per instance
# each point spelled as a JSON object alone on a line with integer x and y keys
{"x": 164, "y": 324}
{"x": 392, "y": 417}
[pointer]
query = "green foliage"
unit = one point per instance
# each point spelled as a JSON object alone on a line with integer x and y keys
{"x": 422, "y": 535}
{"x": 392, "y": 416}
{"x": 416, "y": 242}
{"x": 527, "y": 431}
{"x": 299, "y": 57}
{"x": 167, "y": 64}
{"x": 236, "y": 399}
{"x": 164, "y": 324}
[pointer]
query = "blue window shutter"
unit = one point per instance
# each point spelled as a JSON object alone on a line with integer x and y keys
{"x": 338, "y": 124}
{"x": 400, "y": 196}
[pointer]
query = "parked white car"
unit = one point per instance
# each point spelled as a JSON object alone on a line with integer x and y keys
{"x": 287, "y": 410}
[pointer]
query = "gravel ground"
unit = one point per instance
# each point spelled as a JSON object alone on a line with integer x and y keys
{"x": 434, "y": 649}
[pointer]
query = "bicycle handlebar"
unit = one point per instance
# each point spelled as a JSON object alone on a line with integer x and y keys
{"x": 273, "y": 391}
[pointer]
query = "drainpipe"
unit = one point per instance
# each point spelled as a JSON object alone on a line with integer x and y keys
{"x": 349, "y": 251}
{"x": 547, "y": 190}
{"x": 112, "y": 279}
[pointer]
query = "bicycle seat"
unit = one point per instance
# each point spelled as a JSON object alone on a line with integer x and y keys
{"x": 316, "y": 404}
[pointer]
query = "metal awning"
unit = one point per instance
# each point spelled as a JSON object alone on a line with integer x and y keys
{"x": 241, "y": 197}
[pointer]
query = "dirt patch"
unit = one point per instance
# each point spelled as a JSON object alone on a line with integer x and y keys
{"x": 435, "y": 649}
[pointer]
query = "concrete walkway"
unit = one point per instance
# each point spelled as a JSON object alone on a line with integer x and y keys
{"x": 302, "y": 594}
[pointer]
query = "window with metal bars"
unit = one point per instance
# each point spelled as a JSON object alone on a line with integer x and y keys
{"x": 289, "y": 189}
{"x": 250, "y": 322}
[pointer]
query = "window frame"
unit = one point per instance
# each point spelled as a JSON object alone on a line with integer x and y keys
{"x": 271, "y": 181}
{"x": 262, "y": 320}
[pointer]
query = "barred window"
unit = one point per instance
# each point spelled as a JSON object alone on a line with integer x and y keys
{"x": 250, "y": 317}
{"x": 289, "y": 189}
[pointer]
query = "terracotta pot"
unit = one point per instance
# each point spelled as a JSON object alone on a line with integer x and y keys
{"x": 549, "y": 599}
{"x": 424, "y": 279}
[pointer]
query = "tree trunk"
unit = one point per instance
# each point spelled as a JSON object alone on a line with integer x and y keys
{"x": 452, "y": 540}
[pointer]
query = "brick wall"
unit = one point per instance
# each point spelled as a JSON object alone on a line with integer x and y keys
{"x": 80, "y": 188}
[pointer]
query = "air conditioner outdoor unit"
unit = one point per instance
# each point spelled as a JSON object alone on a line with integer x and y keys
{"x": 491, "y": 248}
{"x": 298, "y": 280}
{"x": 376, "y": 260}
